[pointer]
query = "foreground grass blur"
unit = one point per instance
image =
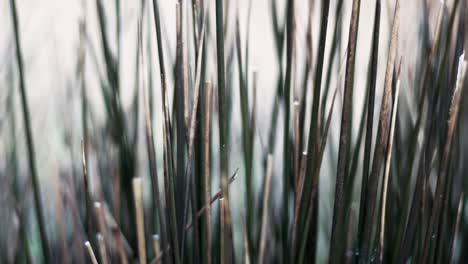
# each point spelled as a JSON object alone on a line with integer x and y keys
{"x": 399, "y": 185}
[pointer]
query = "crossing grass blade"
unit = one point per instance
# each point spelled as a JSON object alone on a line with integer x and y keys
{"x": 370, "y": 119}
{"x": 246, "y": 129}
{"x": 335, "y": 251}
{"x": 381, "y": 140}
{"x": 311, "y": 179}
{"x": 387, "y": 172}
{"x": 266, "y": 195}
{"x": 432, "y": 232}
{"x": 91, "y": 252}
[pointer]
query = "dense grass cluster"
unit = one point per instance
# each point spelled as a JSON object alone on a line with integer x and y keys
{"x": 399, "y": 172}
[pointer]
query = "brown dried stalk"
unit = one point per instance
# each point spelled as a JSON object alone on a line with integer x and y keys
{"x": 387, "y": 173}
{"x": 138, "y": 198}
{"x": 266, "y": 196}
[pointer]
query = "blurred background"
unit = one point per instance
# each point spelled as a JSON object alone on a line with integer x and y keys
{"x": 51, "y": 42}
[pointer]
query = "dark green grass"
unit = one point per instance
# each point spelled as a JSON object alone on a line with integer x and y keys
{"x": 399, "y": 180}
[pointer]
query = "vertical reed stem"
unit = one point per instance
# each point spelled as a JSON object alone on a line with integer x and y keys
{"x": 266, "y": 196}
{"x": 223, "y": 126}
{"x": 207, "y": 164}
{"x": 29, "y": 137}
{"x": 387, "y": 173}
{"x": 138, "y": 193}
{"x": 336, "y": 254}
